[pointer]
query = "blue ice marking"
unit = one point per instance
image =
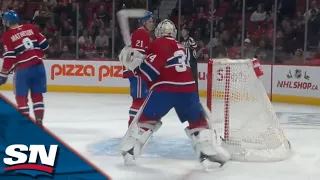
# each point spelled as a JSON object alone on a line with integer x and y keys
{"x": 157, "y": 147}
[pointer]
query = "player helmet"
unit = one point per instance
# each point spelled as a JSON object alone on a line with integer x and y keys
{"x": 166, "y": 28}
{"x": 147, "y": 21}
{"x": 10, "y": 17}
{"x": 145, "y": 18}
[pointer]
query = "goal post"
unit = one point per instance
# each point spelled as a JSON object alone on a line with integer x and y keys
{"x": 242, "y": 113}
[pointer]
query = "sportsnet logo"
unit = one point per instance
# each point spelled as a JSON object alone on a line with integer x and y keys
{"x": 22, "y": 157}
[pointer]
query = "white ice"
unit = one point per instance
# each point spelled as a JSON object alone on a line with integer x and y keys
{"x": 83, "y": 119}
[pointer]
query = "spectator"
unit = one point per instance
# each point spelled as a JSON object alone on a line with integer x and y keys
{"x": 248, "y": 49}
{"x": 235, "y": 51}
{"x": 219, "y": 51}
{"x": 263, "y": 53}
{"x": 51, "y": 3}
{"x": 314, "y": 28}
{"x": 202, "y": 53}
{"x": 103, "y": 54}
{"x": 85, "y": 39}
{"x": 90, "y": 50}
{"x": 259, "y": 15}
{"x": 52, "y": 31}
{"x": 52, "y": 52}
{"x": 82, "y": 54}
{"x": 7, "y": 4}
{"x": 109, "y": 28}
{"x": 65, "y": 53}
{"x": 315, "y": 61}
{"x": 236, "y": 6}
{"x": 221, "y": 27}
{"x": 226, "y": 39}
{"x": 314, "y": 10}
{"x": 101, "y": 41}
{"x": 103, "y": 15}
{"x": 96, "y": 25}
{"x": 299, "y": 20}
{"x": 66, "y": 30}
{"x": 297, "y": 58}
{"x": 42, "y": 16}
{"x": 215, "y": 41}
{"x": 72, "y": 15}
{"x": 19, "y": 7}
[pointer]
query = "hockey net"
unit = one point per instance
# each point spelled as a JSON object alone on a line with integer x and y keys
{"x": 242, "y": 113}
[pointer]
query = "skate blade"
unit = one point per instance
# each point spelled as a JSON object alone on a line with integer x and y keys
{"x": 210, "y": 166}
{"x": 129, "y": 159}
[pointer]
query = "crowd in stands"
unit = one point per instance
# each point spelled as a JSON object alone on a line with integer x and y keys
{"x": 75, "y": 29}
{"x": 258, "y": 30}
{"x": 83, "y": 28}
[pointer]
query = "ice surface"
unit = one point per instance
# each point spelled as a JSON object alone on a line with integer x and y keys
{"x": 94, "y": 123}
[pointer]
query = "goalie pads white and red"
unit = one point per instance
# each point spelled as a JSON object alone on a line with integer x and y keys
{"x": 131, "y": 58}
{"x": 257, "y": 67}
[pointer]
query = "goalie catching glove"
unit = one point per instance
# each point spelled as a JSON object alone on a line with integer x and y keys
{"x": 131, "y": 58}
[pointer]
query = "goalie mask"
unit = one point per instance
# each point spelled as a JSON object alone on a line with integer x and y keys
{"x": 166, "y": 28}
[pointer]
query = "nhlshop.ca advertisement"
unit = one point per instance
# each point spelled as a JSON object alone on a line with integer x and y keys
{"x": 297, "y": 80}
{"x": 29, "y": 151}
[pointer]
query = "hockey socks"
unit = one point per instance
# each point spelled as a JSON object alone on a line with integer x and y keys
{"x": 38, "y": 107}
{"x": 22, "y": 102}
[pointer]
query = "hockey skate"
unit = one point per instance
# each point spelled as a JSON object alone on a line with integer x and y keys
{"x": 39, "y": 120}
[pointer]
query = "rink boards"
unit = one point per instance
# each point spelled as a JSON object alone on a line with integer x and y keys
{"x": 283, "y": 83}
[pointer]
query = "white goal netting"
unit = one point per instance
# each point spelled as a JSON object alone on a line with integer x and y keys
{"x": 242, "y": 113}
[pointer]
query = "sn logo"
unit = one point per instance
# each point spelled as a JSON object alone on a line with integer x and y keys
{"x": 22, "y": 157}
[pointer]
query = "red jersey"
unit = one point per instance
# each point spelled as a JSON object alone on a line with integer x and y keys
{"x": 166, "y": 67}
{"x": 23, "y": 47}
{"x": 140, "y": 40}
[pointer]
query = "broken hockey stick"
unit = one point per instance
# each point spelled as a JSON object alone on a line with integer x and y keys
{"x": 123, "y": 19}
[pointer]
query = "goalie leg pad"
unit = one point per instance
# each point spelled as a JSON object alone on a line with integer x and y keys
{"x": 207, "y": 147}
{"x": 136, "y": 138}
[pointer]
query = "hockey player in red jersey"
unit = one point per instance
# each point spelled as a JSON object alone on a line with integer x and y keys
{"x": 171, "y": 85}
{"x": 140, "y": 41}
{"x": 23, "y": 51}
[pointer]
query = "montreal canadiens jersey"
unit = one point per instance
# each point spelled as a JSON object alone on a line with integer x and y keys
{"x": 23, "y": 47}
{"x": 166, "y": 67}
{"x": 140, "y": 40}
